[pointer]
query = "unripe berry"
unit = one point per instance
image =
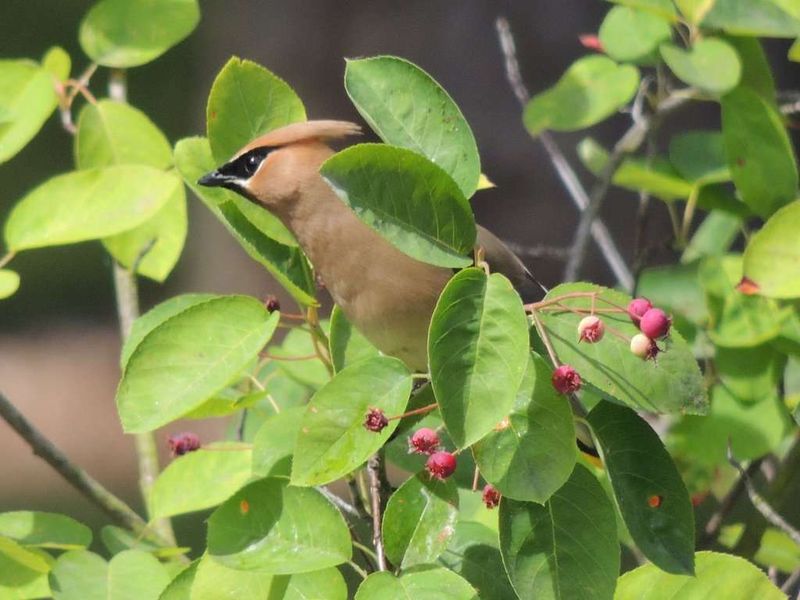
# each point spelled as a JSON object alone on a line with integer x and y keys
{"x": 637, "y": 307}
{"x": 491, "y": 497}
{"x": 655, "y": 323}
{"x": 441, "y": 464}
{"x": 591, "y": 329}
{"x": 182, "y": 443}
{"x": 376, "y": 420}
{"x": 643, "y": 347}
{"x": 424, "y": 441}
{"x": 566, "y": 380}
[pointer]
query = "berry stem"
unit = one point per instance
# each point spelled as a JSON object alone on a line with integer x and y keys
{"x": 608, "y": 327}
{"x": 417, "y": 411}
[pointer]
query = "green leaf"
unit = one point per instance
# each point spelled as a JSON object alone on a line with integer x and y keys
{"x": 214, "y": 581}
{"x": 46, "y": 530}
{"x": 670, "y": 384}
{"x": 19, "y": 582}
{"x": 200, "y": 479}
{"x": 247, "y": 100}
{"x": 675, "y": 289}
{"x": 738, "y": 320}
{"x": 477, "y": 349}
{"x": 749, "y": 374}
{"x": 333, "y": 440}
{"x": 89, "y": 204}
{"x": 566, "y": 548}
{"x": 407, "y": 199}
{"x": 694, "y": 10}
{"x": 710, "y": 64}
{"x": 57, "y": 62}
{"x": 662, "y": 8}
{"x": 347, "y": 344}
{"x": 794, "y": 51}
{"x": 180, "y": 588}
{"x": 772, "y": 255}
{"x": 155, "y": 317}
{"x": 273, "y": 445}
{"x": 713, "y": 237}
{"x": 28, "y": 98}
{"x": 298, "y": 343}
{"x": 591, "y": 90}
{"x": 532, "y": 454}
{"x": 640, "y": 469}
{"x": 189, "y": 357}
{"x": 717, "y": 575}
{"x": 419, "y": 520}
{"x": 116, "y": 540}
{"x": 699, "y": 156}
{"x": 156, "y": 245}
{"x": 9, "y": 283}
{"x": 630, "y": 35}
{"x": 129, "y": 33}
{"x": 265, "y": 526}
{"x": 114, "y": 133}
{"x": 759, "y": 152}
{"x": 15, "y": 556}
{"x": 756, "y": 71}
{"x": 760, "y": 18}
{"x": 287, "y": 264}
{"x": 474, "y": 553}
{"x": 658, "y": 178}
{"x": 407, "y": 107}
{"x": 753, "y": 429}
{"x": 81, "y": 575}
{"x": 429, "y": 583}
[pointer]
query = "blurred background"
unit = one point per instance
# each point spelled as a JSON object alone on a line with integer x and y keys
{"x": 59, "y": 344}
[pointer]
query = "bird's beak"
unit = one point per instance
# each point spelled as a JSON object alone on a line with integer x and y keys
{"x": 215, "y": 179}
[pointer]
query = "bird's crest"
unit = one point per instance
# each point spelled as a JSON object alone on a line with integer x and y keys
{"x": 305, "y": 130}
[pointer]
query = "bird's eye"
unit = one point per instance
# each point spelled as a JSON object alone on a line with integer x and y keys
{"x": 251, "y": 165}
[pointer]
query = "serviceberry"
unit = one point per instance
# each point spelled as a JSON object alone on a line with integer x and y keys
{"x": 424, "y": 441}
{"x": 591, "y": 329}
{"x": 566, "y": 380}
{"x": 441, "y": 464}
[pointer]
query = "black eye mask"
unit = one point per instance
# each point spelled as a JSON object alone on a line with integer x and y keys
{"x": 246, "y": 165}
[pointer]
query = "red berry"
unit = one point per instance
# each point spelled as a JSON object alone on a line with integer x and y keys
{"x": 376, "y": 420}
{"x": 637, "y": 307}
{"x": 491, "y": 497}
{"x": 182, "y": 443}
{"x": 424, "y": 441}
{"x": 590, "y": 41}
{"x": 271, "y": 303}
{"x": 643, "y": 347}
{"x": 566, "y": 380}
{"x": 655, "y": 323}
{"x": 441, "y": 464}
{"x": 591, "y": 329}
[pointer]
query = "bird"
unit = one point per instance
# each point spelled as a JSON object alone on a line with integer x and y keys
{"x": 385, "y": 294}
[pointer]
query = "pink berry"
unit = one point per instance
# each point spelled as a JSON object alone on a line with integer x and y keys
{"x": 441, "y": 464}
{"x": 376, "y": 420}
{"x": 424, "y": 441}
{"x": 566, "y": 380}
{"x": 643, "y": 347}
{"x": 591, "y": 329}
{"x": 655, "y": 323}
{"x": 491, "y": 497}
{"x": 637, "y": 307}
{"x": 271, "y": 303}
{"x": 182, "y": 443}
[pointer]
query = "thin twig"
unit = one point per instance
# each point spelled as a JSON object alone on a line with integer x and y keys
{"x": 760, "y": 504}
{"x": 373, "y": 469}
{"x": 566, "y": 173}
{"x": 361, "y": 572}
{"x": 92, "y": 489}
{"x": 790, "y": 582}
{"x": 540, "y": 251}
{"x": 630, "y": 141}
{"x": 7, "y": 258}
{"x": 339, "y": 502}
{"x": 714, "y": 524}
{"x": 355, "y": 496}
{"x": 127, "y": 301}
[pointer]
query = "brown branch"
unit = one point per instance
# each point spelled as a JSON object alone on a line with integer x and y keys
{"x": 92, "y": 489}
{"x": 566, "y": 173}
{"x": 714, "y": 524}
{"x": 374, "y": 467}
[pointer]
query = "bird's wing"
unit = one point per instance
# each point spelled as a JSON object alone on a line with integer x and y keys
{"x": 502, "y": 260}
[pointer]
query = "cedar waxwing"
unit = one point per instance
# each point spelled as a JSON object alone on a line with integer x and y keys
{"x": 385, "y": 294}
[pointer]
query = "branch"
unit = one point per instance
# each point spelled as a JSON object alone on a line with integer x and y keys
{"x": 569, "y": 178}
{"x": 630, "y": 142}
{"x": 127, "y": 301}
{"x": 92, "y": 489}
{"x": 343, "y": 505}
{"x": 760, "y": 504}
{"x": 714, "y": 524}
{"x": 538, "y": 251}
{"x": 374, "y": 467}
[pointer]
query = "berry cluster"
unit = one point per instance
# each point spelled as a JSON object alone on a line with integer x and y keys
{"x": 653, "y": 323}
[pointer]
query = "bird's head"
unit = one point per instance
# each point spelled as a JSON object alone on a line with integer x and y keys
{"x": 272, "y": 168}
